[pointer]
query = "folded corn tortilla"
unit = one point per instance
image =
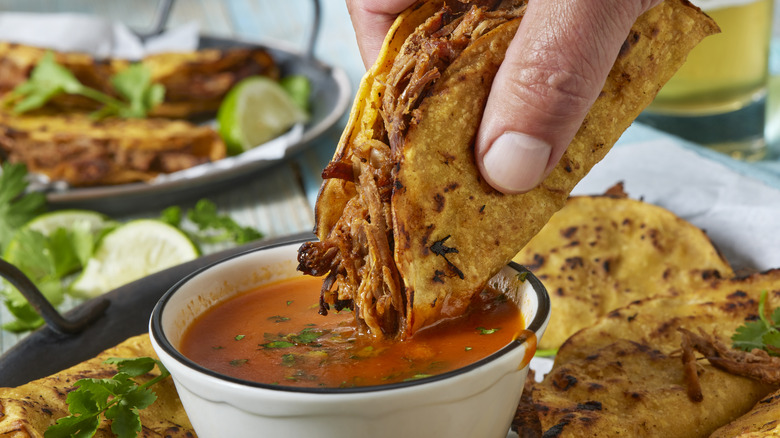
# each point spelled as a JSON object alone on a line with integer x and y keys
{"x": 408, "y": 229}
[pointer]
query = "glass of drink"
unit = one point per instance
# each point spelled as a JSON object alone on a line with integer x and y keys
{"x": 718, "y": 97}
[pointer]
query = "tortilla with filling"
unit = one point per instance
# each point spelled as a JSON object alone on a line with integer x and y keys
{"x": 195, "y": 82}
{"x": 28, "y": 410}
{"x": 408, "y": 229}
{"x": 74, "y": 148}
{"x": 624, "y": 376}
{"x": 599, "y": 253}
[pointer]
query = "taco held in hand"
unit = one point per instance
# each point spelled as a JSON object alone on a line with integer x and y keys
{"x": 408, "y": 229}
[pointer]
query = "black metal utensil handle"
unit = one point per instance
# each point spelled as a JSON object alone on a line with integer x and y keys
{"x": 48, "y": 312}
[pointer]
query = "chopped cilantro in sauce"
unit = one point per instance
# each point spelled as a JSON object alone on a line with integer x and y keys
{"x": 286, "y": 342}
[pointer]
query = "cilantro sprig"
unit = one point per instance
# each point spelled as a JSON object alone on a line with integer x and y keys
{"x": 119, "y": 399}
{"x": 16, "y": 206}
{"x": 49, "y": 79}
{"x": 212, "y": 227}
{"x": 763, "y": 334}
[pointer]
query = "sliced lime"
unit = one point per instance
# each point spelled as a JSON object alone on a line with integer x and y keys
{"x": 256, "y": 110}
{"x": 132, "y": 251}
{"x": 298, "y": 87}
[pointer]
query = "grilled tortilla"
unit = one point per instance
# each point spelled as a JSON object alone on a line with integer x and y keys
{"x": 624, "y": 375}
{"x": 28, "y": 410}
{"x": 599, "y": 253}
{"x": 195, "y": 82}
{"x": 74, "y": 148}
{"x": 408, "y": 229}
{"x": 762, "y": 421}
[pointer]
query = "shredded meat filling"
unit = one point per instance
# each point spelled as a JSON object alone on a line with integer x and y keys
{"x": 756, "y": 364}
{"x": 357, "y": 256}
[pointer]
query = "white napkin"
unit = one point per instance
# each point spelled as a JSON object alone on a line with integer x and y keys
{"x": 99, "y": 37}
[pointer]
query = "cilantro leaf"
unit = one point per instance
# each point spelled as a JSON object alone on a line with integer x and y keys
{"x": 749, "y": 335}
{"x": 216, "y": 227}
{"x": 119, "y": 399}
{"x": 16, "y": 207}
{"x": 137, "y": 366}
{"x": 47, "y": 79}
{"x": 763, "y": 334}
{"x": 171, "y": 216}
{"x": 772, "y": 339}
{"x": 135, "y": 85}
{"x": 83, "y": 426}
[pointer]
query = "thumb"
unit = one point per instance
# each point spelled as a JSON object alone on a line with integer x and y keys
{"x": 553, "y": 71}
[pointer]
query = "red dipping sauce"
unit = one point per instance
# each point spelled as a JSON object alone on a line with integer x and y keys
{"x": 274, "y": 335}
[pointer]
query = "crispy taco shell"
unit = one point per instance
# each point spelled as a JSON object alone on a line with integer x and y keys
{"x": 408, "y": 228}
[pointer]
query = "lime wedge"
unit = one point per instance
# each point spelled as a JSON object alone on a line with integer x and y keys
{"x": 254, "y": 111}
{"x": 48, "y": 222}
{"x": 132, "y": 251}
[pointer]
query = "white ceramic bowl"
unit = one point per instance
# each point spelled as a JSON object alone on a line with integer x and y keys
{"x": 475, "y": 401}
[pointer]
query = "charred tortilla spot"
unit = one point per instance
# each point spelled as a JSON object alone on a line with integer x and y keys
{"x": 569, "y": 232}
{"x": 446, "y": 159}
{"x": 555, "y": 430}
{"x": 630, "y": 42}
{"x": 574, "y": 263}
{"x": 710, "y": 274}
{"x": 537, "y": 263}
{"x": 425, "y": 237}
{"x": 738, "y": 294}
{"x": 438, "y": 276}
{"x": 563, "y": 381}
{"x": 482, "y": 209}
{"x": 590, "y": 405}
{"x": 593, "y": 386}
{"x": 440, "y": 249}
{"x": 438, "y": 200}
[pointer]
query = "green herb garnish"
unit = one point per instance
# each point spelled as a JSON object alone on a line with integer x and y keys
{"x": 238, "y": 362}
{"x": 763, "y": 334}
{"x": 278, "y": 318}
{"x": 417, "y": 377}
{"x": 205, "y": 216}
{"x": 119, "y": 399}
{"x": 49, "y": 79}
{"x": 16, "y": 207}
{"x": 485, "y": 331}
{"x": 278, "y": 344}
{"x": 212, "y": 227}
{"x": 239, "y": 337}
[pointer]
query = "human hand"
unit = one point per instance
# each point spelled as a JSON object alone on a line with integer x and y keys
{"x": 553, "y": 71}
